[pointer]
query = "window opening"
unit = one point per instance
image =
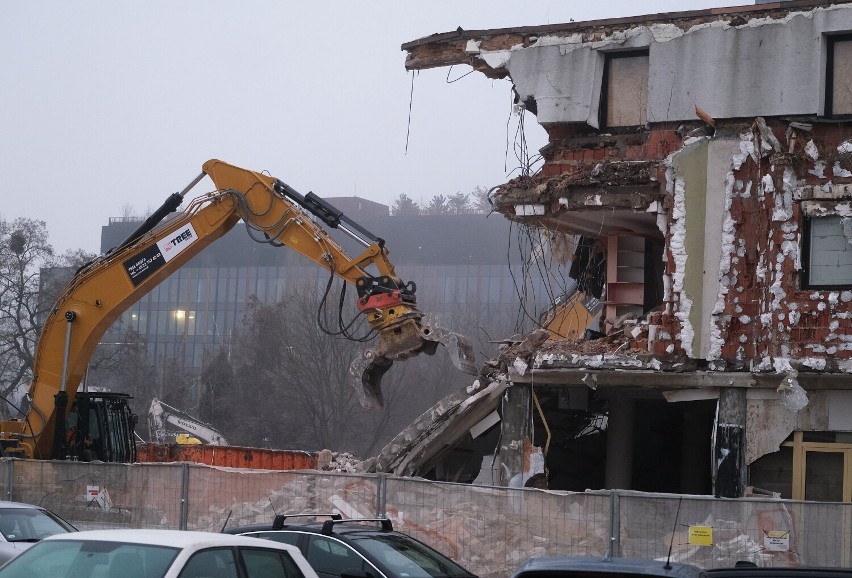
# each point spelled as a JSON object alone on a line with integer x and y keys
{"x": 828, "y": 249}
{"x": 838, "y": 89}
{"x": 625, "y": 89}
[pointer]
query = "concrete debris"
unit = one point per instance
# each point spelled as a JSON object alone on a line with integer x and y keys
{"x": 324, "y": 460}
{"x": 608, "y": 344}
{"x": 343, "y": 462}
{"x": 767, "y": 136}
{"x": 414, "y": 449}
{"x": 793, "y": 395}
{"x": 329, "y": 461}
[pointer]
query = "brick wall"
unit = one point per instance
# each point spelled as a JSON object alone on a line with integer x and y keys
{"x": 769, "y": 311}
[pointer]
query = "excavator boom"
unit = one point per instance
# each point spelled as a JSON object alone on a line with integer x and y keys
{"x": 272, "y": 212}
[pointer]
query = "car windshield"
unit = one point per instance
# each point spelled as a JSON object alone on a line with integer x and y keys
{"x": 409, "y": 558}
{"x": 30, "y": 525}
{"x": 87, "y": 558}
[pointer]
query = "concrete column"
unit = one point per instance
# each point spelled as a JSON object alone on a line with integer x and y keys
{"x": 515, "y": 426}
{"x": 619, "y": 444}
{"x": 729, "y": 469}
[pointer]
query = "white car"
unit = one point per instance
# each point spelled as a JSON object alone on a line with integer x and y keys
{"x": 157, "y": 554}
{"x": 22, "y": 525}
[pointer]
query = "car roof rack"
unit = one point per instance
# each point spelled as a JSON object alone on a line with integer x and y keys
{"x": 278, "y": 523}
{"x": 328, "y": 525}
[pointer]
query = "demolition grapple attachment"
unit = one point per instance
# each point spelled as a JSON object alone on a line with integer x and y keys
{"x": 403, "y": 333}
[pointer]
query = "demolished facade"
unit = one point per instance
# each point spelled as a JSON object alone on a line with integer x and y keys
{"x": 700, "y": 166}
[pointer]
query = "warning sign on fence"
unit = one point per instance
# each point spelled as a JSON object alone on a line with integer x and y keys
{"x": 777, "y": 541}
{"x": 701, "y": 535}
{"x": 99, "y": 495}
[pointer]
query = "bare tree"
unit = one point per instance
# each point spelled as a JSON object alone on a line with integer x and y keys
{"x": 23, "y": 250}
{"x": 292, "y": 389}
{"x": 31, "y": 279}
{"x": 217, "y": 380}
{"x": 122, "y": 365}
{"x": 291, "y": 379}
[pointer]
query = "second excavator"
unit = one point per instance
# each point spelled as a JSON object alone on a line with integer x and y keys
{"x": 272, "y": 212}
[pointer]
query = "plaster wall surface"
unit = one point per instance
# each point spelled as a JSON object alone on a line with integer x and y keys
{"x": 762, "y": 67}
{"x": 769, "y": 423}
{"x": 563, "y": 86}
{"x": 720, "y": 151}
{"x": 840, "y": 410}
{"x": 690, "y": 166}
{"x": 769, "y": 70}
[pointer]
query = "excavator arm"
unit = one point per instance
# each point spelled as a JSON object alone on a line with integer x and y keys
{"x": 161, "y": 413}
{"x": 275, "y": 213}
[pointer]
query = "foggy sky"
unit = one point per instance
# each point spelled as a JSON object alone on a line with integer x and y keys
{"x": 108, "y": 107}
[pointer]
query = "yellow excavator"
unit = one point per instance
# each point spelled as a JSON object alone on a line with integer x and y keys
{"x": 60, "y": 421}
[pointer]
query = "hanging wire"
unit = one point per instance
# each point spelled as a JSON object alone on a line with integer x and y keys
{"x": 537, "y": 268}
{"x": 520, "y": 148}
{"x": 508, "y": 124}
{"x": 471, "y": 71}
{"x": 535, "y": 243}
{"x": 410, "y": 105}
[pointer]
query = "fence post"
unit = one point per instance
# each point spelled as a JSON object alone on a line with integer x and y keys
{"x": 381, "y": 495}
{"x": 614, "y": 525}
{"x": 184, "y": 496}
{"x": 10, "y": 476}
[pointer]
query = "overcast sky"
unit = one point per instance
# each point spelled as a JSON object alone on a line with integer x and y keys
{"x": 111, "y": 105}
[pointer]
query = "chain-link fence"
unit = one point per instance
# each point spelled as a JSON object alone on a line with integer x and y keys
{"x": 489, "y": 530}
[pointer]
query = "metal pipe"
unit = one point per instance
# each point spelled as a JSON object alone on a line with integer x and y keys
{"x": 60, "y": 400}
{"x": 169, "y": 206}
{"x": 70, "y": 316}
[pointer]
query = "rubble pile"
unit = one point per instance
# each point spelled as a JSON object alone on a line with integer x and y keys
{"x": 530, "y": 525}
{"x": 262, "y": 495}
{"x": 616, "y": 342}
{"x": 344, "y": 462}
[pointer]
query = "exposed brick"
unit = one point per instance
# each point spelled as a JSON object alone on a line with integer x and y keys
{"x": 661, "y": 143}
{"x": 634, "y": 153}
{"x": 757, "y": 236}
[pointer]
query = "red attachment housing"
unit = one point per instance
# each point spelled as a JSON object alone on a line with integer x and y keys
{"x": 379, "y": 301}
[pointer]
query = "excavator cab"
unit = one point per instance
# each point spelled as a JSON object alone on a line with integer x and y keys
{"x": 100, "y": 428}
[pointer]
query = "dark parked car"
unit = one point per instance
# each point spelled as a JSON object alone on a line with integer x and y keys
{"x": 751, "y": 571}
{"x": 22, "y": 525}
{"x": 590, "y": 566}
{"x": 339, "y": 548}
{"x": 593, "y": 567}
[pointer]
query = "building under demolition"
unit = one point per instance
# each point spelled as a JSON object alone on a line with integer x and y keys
{"x": 699, "y": 173}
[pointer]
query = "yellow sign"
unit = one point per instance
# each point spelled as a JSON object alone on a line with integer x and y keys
{"x": 701, "y": 535}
